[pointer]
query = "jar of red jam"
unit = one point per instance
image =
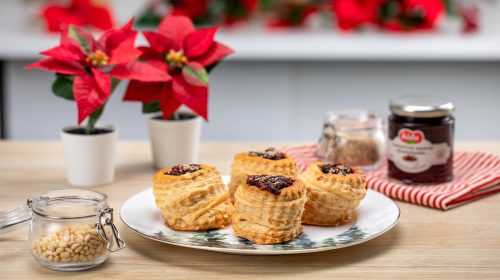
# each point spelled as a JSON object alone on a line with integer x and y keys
{"x": 421, "y": 131}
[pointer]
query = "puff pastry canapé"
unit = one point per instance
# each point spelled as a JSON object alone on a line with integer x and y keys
{"x": 333, "y": 192}
{"x": 192, "y": 197}
{"x": 270, "y": 162}
{"x": 268, "y": 209}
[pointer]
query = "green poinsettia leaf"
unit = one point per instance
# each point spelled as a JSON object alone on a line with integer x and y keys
{"x": 194, "y": 73}
{"x": 63, "y": 87}
{"x": 211, "y": 67}
{"x": 114, "y": 83}
{"x": 268, "y": 5}
{"x": 148, "y": 19}
{"x": 73, "y": 34}
{"x": 152, "y": 107}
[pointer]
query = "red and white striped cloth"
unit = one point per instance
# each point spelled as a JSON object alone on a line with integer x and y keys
{"x": 476, "y": 175}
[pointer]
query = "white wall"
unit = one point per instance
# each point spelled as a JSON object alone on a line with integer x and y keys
{"x": 277, "y": 100}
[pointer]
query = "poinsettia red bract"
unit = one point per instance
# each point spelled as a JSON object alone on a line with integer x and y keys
{"x": 411, "y": 15}
{"x": 293, "y": 15}
{"x": 470, "y": 18}
{"x": 392, "y": 15}
{"x": 78, "y": 12}
{"x": 92, "y": 64}
{"x": 239, "y": 10}
{"x": 185, "y": 53}
{"x": 352, "y": 14}
{"x": 191, "y": 8}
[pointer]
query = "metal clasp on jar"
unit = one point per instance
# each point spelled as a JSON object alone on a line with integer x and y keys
{"x": 327, "y": 141}
{"x": 104, "y": 219}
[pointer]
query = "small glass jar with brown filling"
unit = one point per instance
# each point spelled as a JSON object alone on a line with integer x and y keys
{"x": 421, "y": 132}
{"x": 353, "y": 136}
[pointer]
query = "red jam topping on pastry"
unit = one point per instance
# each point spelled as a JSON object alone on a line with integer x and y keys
{"x": 183, "y": 169}
{"x": 336, "y": 168}
{"x": 273, "y": 184}
{"x": 269, "y": 153}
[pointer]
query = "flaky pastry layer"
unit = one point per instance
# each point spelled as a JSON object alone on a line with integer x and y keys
{"x": 266, "y": 218}
{"x": 193, "y": 201}
{"x": 244, "y": 165}
{"x": 331, "y": 198}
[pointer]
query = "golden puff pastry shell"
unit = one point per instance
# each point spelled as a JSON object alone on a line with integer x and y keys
{"x": 193, "y": 201}
{"x": 245, "y": 164}
{"x": 331, "y": 198}
{"x": 266, "y": 218}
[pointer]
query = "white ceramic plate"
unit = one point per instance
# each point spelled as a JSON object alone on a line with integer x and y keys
{"x": 375, "y": 215}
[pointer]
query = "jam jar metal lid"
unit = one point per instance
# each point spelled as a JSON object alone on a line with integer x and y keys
{"x": 421, "y": 106}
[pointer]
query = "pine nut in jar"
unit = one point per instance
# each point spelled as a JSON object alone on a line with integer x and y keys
{"x": 70, "y": 229}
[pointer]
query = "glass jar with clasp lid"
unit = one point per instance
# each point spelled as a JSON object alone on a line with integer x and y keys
{"x": 70, "y": 229}
{"x": 353, "y": 136}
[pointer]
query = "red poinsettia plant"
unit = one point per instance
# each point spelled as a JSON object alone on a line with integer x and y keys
{"x": 470, "y": 18}
{"x": 78, "y": 12}
{"x": 186, "y": 55}
{"x": 353, "y": 14}
{"x": 88, "y": 70}
{"x": 236, "y": 11}
{"x": 293, "y": 13}
{"x": 201, "y": 12}
{"x": 196, "y": 10}
{"x": 391, "y": 15}
{"x": 410, "y": 15}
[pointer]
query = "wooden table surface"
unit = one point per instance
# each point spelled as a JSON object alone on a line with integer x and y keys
{"x": 427, "y": 243}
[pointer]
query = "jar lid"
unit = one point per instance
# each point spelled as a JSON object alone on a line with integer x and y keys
{"x": 421, "y": 106}
{"x": 353, "y": 119}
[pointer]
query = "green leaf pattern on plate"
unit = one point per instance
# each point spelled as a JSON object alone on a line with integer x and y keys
{"x": 209, "y": 238}
{"x": 219, "y": 239}
{"x": 300, "y": 242}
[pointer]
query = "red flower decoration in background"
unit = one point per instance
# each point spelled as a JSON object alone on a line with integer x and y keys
{"x": 353, "y": 14}
{"x": 392, "y": 15}
{"x": 239, "y": 10}
{"x": 191, "y": 8}
{"x": 409, "y": 15}
{"x": 430, "y": 11}
{"x": 92, "y": 64}
{"x": 79, "y": 12}
{"x": 184, "y": 53}
{"x": 470, "y": 18}
{"x": 293, "y": 14}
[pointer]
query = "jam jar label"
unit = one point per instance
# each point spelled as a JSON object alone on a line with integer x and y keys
{"x": 412, "y": 153}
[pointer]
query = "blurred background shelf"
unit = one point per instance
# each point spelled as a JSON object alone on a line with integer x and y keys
{"x": 22, "y": 38}
{"x": 367, "y": 46}
{"x": 306, "y": 46}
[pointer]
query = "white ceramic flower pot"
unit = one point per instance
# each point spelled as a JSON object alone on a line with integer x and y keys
{"x": 90, "y": 159}
{"x": 174, "y": 142}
